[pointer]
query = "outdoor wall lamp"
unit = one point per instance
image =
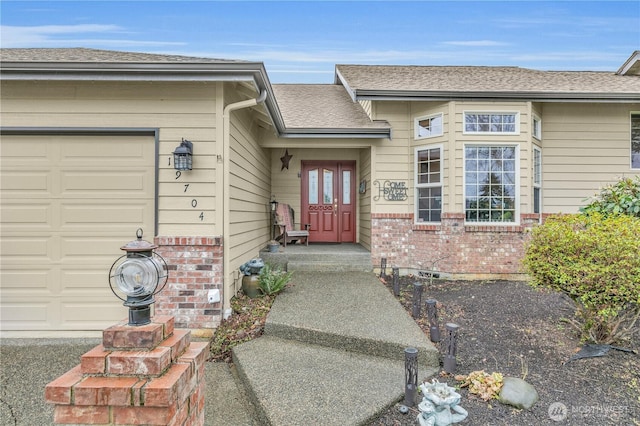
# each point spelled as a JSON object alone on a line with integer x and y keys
{"x": 136, "y": 276}
{"x": 274, "y": 204}
{"x": 182, "y": 156}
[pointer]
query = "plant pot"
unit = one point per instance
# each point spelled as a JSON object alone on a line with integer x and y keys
{"x": 250, "y": 286}
{"x": 273, "y": 248}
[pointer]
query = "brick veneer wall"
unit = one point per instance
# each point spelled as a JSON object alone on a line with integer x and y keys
{"x": 464, "y": 251}
{"x": 195, "y": 267}
{"x": 139, "y": 375}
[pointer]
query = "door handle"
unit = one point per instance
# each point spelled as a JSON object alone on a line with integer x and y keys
{"x": 335, "y": 207}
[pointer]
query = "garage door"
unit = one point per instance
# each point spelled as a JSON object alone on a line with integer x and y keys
{"x": 68, "y": 204}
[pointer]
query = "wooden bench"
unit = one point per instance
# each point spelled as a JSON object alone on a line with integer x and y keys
{"x": 285, "y": 219}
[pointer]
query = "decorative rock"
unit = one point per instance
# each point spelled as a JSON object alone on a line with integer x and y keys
{"x": 518, "y": 393}
{"x": 403, "y": 409}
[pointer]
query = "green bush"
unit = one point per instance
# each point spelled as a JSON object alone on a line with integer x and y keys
{"x": 273, "y": 280}
{"x": 595, "y": 260}
{"x": 622, "y": 197}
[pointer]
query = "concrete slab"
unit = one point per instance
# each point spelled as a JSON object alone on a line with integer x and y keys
{"x": 293, "y": 383}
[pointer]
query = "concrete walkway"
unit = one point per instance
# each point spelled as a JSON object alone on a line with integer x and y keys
{"x": 332, "y": 354}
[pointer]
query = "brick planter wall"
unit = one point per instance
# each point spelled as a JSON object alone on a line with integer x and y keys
{"x": 464, "y": 251}
{"x": 143, "y": 375}
{"x": 195, "y": 267}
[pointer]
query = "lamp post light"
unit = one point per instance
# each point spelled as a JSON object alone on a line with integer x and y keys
{"x": 417, "y": 299}
{"x": 432, "y": 316}
{"x": 135, "y": 278}
{"x": 183, "y": 156}
{"x": 452, "y": 347}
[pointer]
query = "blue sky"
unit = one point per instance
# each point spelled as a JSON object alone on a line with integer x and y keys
{"x": 302, "y": 41}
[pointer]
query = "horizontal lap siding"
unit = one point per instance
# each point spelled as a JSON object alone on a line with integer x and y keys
{"x": 392, "y": 157}
{"x": 584, "y": 148}
{"x": 249, "y": 191}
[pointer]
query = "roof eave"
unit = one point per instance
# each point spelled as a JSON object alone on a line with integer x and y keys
{"x": 136, "y": 71}
{"x": 362, "y": 133}
{"x": 401, "y": 95}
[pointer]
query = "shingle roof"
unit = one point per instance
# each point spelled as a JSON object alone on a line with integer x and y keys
{"x": 471, "y": 80}
{"x": 81, "y": 54}
{"x": 321, "y": 106}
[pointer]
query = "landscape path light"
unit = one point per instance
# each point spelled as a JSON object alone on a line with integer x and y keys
{"x": 395, "y": 271}
{"x": 432, "y": 316}
{"x": 410, "y": 376}
{"x": 136, "y": 277}
{"x": 452, "y": 347}
{"x": 417, "y": 299}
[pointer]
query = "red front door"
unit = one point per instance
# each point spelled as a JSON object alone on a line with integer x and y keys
{"x": 329, "y": 200}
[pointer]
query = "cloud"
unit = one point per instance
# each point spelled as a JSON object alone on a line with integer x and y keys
{"x": 63, "y": 36}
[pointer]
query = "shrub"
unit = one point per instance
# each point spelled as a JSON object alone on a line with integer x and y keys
{"x": 622, "y": 197}
{"x": 273, "y": 280}
{"x": 595, "y": 260}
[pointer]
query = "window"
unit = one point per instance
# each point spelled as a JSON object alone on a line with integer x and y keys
{"x": 493, "y": 122}
{"x": 536, "y": 129}
{"x": 428, "y": 184}
{"x": 428, "y": 127}
{"x": 490, "y": 188}
{"x": 537, "y": 180}
{"x": 635, "y": 141}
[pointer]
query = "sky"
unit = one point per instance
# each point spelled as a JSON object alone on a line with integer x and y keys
{"x": 302, "y": 41}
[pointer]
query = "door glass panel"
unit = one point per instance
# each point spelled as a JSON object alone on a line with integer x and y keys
{"x": 328, "y": 187}
{"x": 346, "y": 187}
{"x": 313, "y": 186}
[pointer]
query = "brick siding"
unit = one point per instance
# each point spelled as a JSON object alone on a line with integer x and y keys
{"x": 195, "y": 267}
{"x": 464, "y": 251}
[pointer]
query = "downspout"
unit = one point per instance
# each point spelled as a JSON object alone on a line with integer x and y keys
{"x": 226, "y": 198}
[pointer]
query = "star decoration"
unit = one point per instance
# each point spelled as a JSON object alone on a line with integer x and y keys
{"x": 285, "y": 160}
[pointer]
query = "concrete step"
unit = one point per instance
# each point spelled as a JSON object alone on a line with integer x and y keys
{"x": 336, "y": 265}
{"x": 320, "y": 257}
{"x": 293, "y": 383}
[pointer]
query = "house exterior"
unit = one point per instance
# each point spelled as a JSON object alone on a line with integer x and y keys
{"x": 431, "y": 168}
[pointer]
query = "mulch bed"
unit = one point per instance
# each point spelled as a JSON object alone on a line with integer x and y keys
{"x": 510, "y": 328}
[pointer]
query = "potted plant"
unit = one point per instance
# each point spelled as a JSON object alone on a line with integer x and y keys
{"x": 273, "y": 246}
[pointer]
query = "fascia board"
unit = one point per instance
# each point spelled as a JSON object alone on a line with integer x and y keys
{"x": 375, "y": 95}
{"x": 338, "y": 133}
{"x": 339, "y": 79}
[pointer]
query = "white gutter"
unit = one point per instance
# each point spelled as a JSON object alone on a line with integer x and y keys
{"x": 226, "y": 198}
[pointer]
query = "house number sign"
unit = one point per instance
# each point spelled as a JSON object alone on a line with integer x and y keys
{"x": 194, "y": 201}
{"x": 391, "y": 190}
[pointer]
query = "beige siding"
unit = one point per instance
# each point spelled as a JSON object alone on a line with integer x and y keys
{"x": 368, "y": 108}
{"x": 178, "y": 110}
{"x": 585, "y": 146}
{"x": 364, "y": 206}
{"x": 392, "y": 156}
{"x": 249, "y": 189}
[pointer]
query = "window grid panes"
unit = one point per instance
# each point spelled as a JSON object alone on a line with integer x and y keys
{"x": 490, "y": 122}
{"x": 429, "y": 184}
{"x": 537, "y": 128}
{"x": 490, "y": 183}
{"x": 635, "y": 141}
{"x": 427, "y": 127}
{"x": 537, "y": 180}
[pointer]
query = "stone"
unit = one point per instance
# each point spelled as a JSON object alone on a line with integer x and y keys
{"x": 518, "y": 393}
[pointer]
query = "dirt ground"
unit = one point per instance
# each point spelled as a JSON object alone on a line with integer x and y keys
{"x": 510, "y": 328}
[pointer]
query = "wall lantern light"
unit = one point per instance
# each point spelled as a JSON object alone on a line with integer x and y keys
{"x": 136, "y": 277}
{"x": 274, "y": 205}
{"x": 182, "y": 156}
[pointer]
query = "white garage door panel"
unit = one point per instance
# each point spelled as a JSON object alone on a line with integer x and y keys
{"x": 32, "y": 216}
{"x": 118, "y": 184}
{"x": 125, "y": 215}
{"x": 68, "y": 204}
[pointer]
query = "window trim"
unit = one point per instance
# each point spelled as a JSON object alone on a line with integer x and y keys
{"x": 536, "y": 131}
{"x": 416, "y": 204}
{"x": 516, "y": 221}
{"x": 516, "y": 122}
{"x": 416, "y": 126}
{"x": 631, "y": 115}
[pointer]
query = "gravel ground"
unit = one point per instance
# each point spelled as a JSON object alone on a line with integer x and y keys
{"x": 510, "y": 328}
